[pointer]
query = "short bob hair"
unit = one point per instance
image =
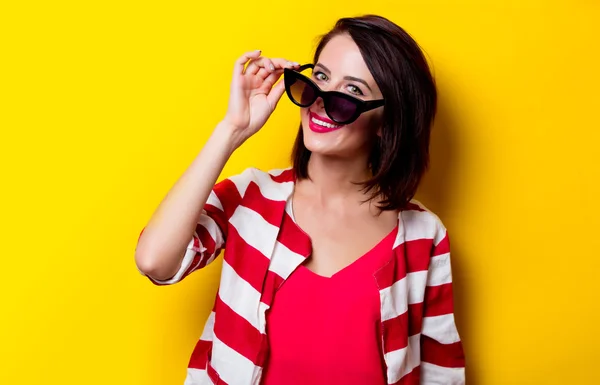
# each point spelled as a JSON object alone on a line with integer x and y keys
{"x": 400, "y": 158}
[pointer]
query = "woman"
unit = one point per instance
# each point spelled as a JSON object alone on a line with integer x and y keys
{"x": 331, "y": 274}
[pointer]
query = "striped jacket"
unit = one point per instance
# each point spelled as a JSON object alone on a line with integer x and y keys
{"x": 243, "y": 215}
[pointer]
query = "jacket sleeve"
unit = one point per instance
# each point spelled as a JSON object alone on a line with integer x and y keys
{"x": 211, "y": 230}
{"x": 442, "y": 356}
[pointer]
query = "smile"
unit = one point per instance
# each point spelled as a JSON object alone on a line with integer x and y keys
{"x": 321, "y": 125}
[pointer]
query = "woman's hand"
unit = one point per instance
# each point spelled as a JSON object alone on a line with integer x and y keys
{"x": 254, "y": 95}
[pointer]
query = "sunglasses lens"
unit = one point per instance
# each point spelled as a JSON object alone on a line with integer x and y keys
{"x": 302, "y": 92}
{"x": 340, "y": 109}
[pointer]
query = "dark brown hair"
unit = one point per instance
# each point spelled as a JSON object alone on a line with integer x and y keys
{"x": 400, "y": 158}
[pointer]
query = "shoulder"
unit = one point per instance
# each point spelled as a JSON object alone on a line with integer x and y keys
{"x": 253, "y": 174}
{"x": 420, "y": 222}
{"x": 275, "y": 184}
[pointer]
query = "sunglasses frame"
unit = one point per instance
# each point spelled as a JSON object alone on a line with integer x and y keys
{"x": 290, "y": 76}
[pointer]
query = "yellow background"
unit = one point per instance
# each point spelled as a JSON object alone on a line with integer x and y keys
{"x": 105, "y": 104}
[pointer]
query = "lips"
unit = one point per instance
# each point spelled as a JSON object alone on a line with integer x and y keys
{"x": 321, "y": 124}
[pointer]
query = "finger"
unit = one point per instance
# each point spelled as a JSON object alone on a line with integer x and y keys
{"x": 275, "y": 95}
{"x": 263, "y": 73}
{"x": 261, "y": 63}
{"x": 252, "y": 67}
{"x": 268, "y": 64}
{"x": 272, "y": 79}
{"x": 241, "y": 62}
{"x": 283, "y": 63}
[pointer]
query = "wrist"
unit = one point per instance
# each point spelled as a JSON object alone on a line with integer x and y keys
{"x": 226, "y": 135}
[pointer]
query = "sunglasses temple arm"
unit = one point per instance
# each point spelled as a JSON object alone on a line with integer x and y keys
{"x": 305, "y": 66}
{"x": 372, "y": 104}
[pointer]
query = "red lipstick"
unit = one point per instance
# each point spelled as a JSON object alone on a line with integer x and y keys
{"x": 321, "y": 124}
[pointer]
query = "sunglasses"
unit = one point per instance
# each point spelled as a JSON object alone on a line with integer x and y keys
{"x": 340, "y": 107}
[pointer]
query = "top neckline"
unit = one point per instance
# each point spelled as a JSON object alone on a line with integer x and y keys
{"x": 378, "y": 248}
{"x": 369, "y": 262}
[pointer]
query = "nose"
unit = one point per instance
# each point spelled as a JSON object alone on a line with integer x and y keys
{"x": 320, "y": 103}
{"x": 318, "y": 107}
{"x": 329, "y": 86}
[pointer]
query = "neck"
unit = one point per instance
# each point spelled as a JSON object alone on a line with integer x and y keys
{"x": 332, "y": 178}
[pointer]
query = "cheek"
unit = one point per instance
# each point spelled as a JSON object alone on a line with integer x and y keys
{"x": 304, "y": 116}
{"x": 366, "y": 126}
{"x": 355, "y": 137}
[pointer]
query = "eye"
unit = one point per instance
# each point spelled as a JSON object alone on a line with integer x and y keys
{"x": 320, "y": 76}
{"x": 355, "y": 90}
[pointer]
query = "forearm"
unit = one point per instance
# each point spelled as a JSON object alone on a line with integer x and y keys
{"x": 162, "y": 245}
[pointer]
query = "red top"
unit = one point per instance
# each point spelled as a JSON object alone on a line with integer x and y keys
{"x": 244, "y": 216}
{"x": 325, "y": 330}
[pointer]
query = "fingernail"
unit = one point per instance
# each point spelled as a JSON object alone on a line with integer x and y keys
{"x": 272, "y": 67}
{"x": 296, "y": 64}
{"x": 258, "y": 50}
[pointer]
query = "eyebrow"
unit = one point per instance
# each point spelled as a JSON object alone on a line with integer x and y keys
{"x": 359, "y": 80}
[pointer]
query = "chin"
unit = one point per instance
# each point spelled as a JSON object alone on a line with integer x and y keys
{"x": 333, "y": 144}
{"x": 321, "y": 149}
{"x": 347, "y": 141}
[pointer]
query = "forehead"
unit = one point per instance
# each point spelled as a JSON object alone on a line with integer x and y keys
{"x": 343, "y": 58}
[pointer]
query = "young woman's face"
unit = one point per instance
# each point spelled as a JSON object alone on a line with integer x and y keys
{"x": 341, "y": 67}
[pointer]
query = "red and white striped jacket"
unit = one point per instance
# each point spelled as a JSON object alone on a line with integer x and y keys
{"x": 243, "y": 215}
